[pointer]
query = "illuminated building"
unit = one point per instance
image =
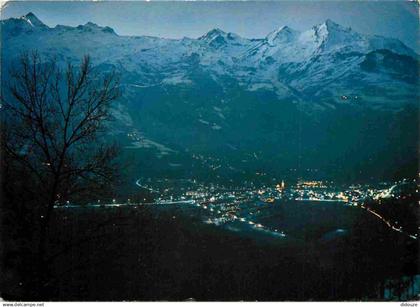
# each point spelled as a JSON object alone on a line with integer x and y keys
{"x": 280, "y": 186}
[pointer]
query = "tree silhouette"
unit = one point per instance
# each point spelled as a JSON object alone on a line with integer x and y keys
{"x": 53, "y": 135}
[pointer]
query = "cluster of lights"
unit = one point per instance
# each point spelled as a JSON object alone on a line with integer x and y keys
{"x": 223, "y": 203}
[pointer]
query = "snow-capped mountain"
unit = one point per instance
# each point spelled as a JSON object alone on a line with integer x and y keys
{"x": 290, "y": 63}
{"x": 317, "y": 67}
{"x": 222, "y": 92}
{"x": 250, "y": 61}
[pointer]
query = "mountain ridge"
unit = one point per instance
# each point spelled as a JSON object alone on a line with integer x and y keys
{"x": 329, "y": 24}
{"x": 294, "y": 99}
{"x": 315, "y": 67}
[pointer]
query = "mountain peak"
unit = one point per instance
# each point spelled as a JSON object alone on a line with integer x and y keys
{"x": 334, "y": 33}
{"x": 331, "y": 26}
{"x": 218, "y": 38}
{"x": 91, "y": 24}
{"x": 30, "y": 15}
{"x": 93, "y": 27}
{"x": 283, "y": 34}
{"x": 213, "y": 33}
{"x": 33, "y": 20}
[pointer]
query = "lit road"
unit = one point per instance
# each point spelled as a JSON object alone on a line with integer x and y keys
{"x": 144, "y": 187}
{"x": 388, "y": 223}
{"x": 321, "y": 200}
{"x": 110, "y": 205}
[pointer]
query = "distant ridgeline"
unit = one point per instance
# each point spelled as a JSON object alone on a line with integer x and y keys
{"x": 327, "y": 102}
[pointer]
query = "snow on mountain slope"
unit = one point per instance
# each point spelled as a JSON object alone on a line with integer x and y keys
{"x": 317, "y": 64}
{"x": 308, "y": 94}
{"x": 33, "y": 20}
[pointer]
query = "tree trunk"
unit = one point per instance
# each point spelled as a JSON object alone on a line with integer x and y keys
{"x": 43, "y": 270}
{"x": 45, "y": 221}
{"x": 42, "y": 267}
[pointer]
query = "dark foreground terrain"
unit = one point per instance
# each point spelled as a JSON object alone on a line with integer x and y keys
{"x": 141, "y": 253}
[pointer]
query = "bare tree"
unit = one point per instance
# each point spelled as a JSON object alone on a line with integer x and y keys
{"x": 53, "y": 131}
